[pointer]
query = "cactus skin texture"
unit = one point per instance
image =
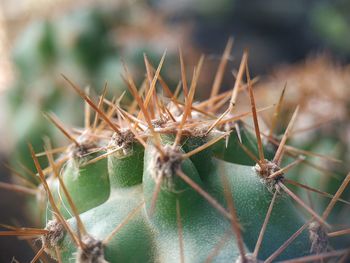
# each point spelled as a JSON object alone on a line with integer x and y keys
{"x": 175, "y": 181}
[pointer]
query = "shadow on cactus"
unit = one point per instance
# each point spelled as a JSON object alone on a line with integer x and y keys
{"x": 168, "y": 179}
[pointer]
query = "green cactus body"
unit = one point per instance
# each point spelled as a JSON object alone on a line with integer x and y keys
{"x": 155, "y": 185}
{"x": 252, "y": 204}
{"x": 88, "y": 185}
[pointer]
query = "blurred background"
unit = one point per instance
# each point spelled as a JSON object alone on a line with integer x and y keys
{"x": 87, "y": 41}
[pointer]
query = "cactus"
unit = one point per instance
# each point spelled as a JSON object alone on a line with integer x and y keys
{"x": 173, "y": 180}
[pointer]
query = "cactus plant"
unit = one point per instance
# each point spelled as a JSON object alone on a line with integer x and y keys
{"x": 174, "y": 180}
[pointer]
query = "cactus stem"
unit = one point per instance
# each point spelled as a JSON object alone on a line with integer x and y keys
{"x": 203, "y": 193}
{"x": 123, "y": 223}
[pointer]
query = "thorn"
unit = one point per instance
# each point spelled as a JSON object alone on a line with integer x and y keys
{"x": 218, "y": 247}
{"x": 154, "y": 80}
{"x": 277, "y": 112}
{"x": 221, "y": 69}
{"x": 226, "y": 98}
{"x": 204, "y": 194}
{"x": 250, "y": 154}
{"x": 132, "y": 213}
{"x": 339, "y": 233}
{"x": 58, "y": 255}
{"x": 336, "y": 197}
{"x": 99, "y": 106}
{"x": 81, "y": 227}
{"x": 92, "y": 104}
{"x": 325, "y": 194}
{"x": 51, "y": 199}
{"x": 279, "y": 153}
{"x": 314, "y": 126}
{"x": 255, "y": 118}
{"x": 183, "y": 73}
{"x": 189, "y": 100}
{"x": 263, "y": 228}
{"x": 238, "y": 131}
{"x": 234, "y": 219}
{"x": 180, "y": 229}
{"x": 38, "y": 255}
{"x": 52, "y": 118}
{"x": 155, "y": 195}
{"x": 18, "y": 188}
{"x": 238, "y": 80}
{"x": 133, "y": 91}
{"x": 87, "y": 111}
{"x": 300, "y": 202}
{"x": 280, "y": 250}
{"x": 204, "y": 146}
{"x": 287, "y": 167}
{"x": 24, "y": 179}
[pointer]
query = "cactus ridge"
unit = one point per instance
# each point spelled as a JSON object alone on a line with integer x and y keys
{"x": 173, "y": 180}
